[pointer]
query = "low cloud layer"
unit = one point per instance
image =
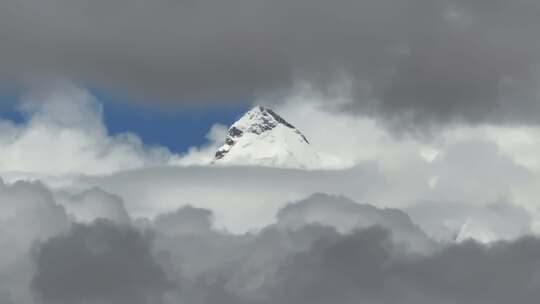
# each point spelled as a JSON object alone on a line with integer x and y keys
{"x": 179, "y": 256}
{"x": 318, "y": 266}
{"x": 359, "y": 252}
{"x": 413, "y": 62}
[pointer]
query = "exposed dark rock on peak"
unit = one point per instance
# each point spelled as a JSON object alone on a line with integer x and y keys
{"x": 256, "y": 122}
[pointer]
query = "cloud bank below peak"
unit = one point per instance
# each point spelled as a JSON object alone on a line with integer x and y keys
{"x": 181, "y": 256}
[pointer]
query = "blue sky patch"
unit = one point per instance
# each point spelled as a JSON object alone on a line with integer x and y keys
{"x": 175, "y": 127}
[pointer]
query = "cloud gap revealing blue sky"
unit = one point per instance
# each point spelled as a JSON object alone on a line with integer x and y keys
{"x": 8, "y": 106}
{"x": 175, "y": 127}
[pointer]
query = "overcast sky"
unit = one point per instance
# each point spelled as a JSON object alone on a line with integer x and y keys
{"x": 425, "y": 114}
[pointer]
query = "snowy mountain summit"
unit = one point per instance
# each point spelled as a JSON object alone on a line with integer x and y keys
{"x": 263, "y": 138}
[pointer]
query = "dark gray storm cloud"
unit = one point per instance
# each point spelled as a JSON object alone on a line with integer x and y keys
{"x": 314, "y": 263}
{"x": 98, "y": 263}
{"x": 410, "y": 61}
{"x": 179, "y": 257}
{"x": 362, "y": 268}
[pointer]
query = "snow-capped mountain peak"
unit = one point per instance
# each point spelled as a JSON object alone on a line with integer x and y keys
{"x": 262, "y": 137}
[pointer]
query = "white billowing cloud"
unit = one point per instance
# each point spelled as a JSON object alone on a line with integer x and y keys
{"x": 65, "y": 134}
{"x": 353, "y": 138}
{"x": 348, "y": 139}
{"x": 65, "y": 125}
{"x": 205, "y": 154}
{"x": 479, "y": 164}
